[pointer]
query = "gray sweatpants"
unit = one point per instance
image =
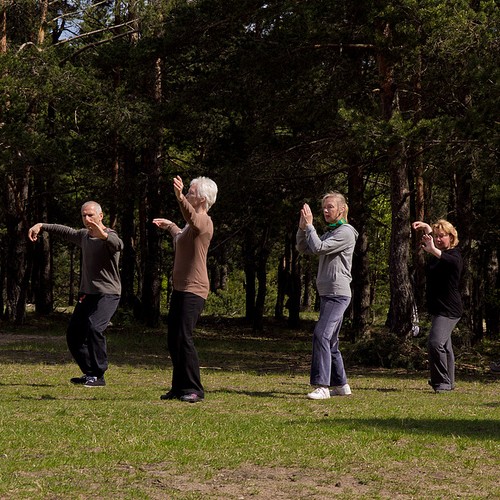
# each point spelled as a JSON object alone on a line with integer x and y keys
{"x": 441, "y": 356}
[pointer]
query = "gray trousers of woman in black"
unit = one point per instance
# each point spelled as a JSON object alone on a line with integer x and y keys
{"x": 441, "y": 356}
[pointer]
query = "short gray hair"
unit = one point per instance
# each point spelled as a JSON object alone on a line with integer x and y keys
{"x": 206, "y": 188}
{"x": 98, "y": 208}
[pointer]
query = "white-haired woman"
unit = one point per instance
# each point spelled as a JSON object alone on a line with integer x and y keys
{"x": 190, "y": 284}
{"x": 444, "y": 302}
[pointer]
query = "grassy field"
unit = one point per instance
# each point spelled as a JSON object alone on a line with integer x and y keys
{"x": 255, "y": 435}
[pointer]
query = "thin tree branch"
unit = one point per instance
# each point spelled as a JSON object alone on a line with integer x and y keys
{"x": 107, "y": 28}
{"x": 96, "y": 44}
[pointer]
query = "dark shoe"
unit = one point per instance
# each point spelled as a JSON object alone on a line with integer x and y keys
{"x": 169, "y": 395}
{"x": 191, "y": 398}
{"x": 495, "y": 368}
{"x": 94, "y": 382}
{"x": 438, "y": 388}
{"x": 79, "y": 380}
{"x": 441, "y": 391}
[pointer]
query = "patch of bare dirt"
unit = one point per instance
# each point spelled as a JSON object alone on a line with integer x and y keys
{"x": 257, "y": 482}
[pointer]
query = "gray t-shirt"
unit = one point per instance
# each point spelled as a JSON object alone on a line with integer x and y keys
{"x": 335, "y": 249}
{"x": 100, "y": 272}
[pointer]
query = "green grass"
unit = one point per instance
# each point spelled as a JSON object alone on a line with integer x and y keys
{"x": 254, "y": 436}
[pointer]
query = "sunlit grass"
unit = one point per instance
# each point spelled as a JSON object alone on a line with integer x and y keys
{"x": 392, "y": 437}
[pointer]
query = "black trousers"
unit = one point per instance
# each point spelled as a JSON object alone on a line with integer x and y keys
{"x": 185, "y": 309}
{"x": 85, "y": 334}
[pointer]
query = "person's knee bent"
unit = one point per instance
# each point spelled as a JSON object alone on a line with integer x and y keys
{"x": 435, "y": 344}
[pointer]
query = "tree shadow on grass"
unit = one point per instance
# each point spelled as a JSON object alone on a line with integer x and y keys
{"x": 222, "y": 343}
{"x": 258, "y": 394}
{"x": 477, "y": 429}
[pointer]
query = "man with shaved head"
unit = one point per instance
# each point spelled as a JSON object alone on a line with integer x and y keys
{"x": 99, "y": 293}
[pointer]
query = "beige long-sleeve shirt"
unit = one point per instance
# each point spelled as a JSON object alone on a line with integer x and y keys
{"x": 191, "y": 247}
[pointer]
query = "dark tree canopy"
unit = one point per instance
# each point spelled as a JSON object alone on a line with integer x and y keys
{"x": 394, "y": 104}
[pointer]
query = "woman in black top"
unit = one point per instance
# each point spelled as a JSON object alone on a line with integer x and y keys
{"x": 444, "y": 302}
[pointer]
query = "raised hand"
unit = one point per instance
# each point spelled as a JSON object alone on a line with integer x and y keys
{"x": 178, "y": 187}
{"x": 306, "y": 214}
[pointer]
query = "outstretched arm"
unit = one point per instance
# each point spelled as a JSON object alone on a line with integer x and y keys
{"x": 162, "y": 223}
{"x": 167, "y": 225}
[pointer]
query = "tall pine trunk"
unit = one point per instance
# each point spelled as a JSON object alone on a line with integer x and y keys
{"x": 262, "y": 257}
{"x": 42, "y": 281}
{"x": 16, "y": 192}
{"x": 127, "y": 206}
{"x": 358, "y": 216}
{"x": 250, "y": 273}
{"x": 399, "y": 319}
{"x": 151, "y": 255}
{"x": 402, "y": 298}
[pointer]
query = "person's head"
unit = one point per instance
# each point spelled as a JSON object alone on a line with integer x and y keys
{"x": 91, "y": 210}
{"x": 334, "y": 207}
{"x": 202, "y": 190}
{"x": 445, "y": 235}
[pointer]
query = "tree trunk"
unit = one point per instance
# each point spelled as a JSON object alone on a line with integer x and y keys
{"x": 282, "y": 274}
{"x": 401, "y": 306}
{"x": 283, "y": 287}
{"x": 250, "y": 272}
{"x": 295, "y": 289}
{"x": 218, "y": 266}
{"x": 151, "y": 288}
{"x": 126, "y": 209}
{"x": 492, "y": 294}
{"x": 402, "y": 298}
{"x": 263, "y": 255}
{"x": 307, "y": 281}
{"x": 462, "y": 207}
{"x": 43, "y": 22}
{"x": 42, "y": 274}
{"x": 358, "y": 217}
{"x": 419, "y": 280}
{"x": 419, "y": 213}
{"x": 151, "y": 285}
{"x": 3, "y": 267}
{"x": 3, "y": 28}
{"x": 16, "y": 192}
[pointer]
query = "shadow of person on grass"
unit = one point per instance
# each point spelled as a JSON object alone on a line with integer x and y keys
{"x": 477, "y": 428}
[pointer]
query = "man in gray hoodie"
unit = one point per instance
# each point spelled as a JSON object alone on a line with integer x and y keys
{"x": 335, "y": 249}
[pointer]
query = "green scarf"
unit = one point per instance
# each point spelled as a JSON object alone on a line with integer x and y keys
{"x": 335, "y": 225}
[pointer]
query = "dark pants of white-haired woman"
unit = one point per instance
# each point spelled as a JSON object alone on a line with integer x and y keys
{"x": 327, "y": 366}
{"x": 185, "y": 309}
{"x": 441, "y": 356}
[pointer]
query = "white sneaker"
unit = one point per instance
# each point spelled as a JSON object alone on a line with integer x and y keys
{"x": 341, "y": 390}
{"x": 319, "y": 393}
